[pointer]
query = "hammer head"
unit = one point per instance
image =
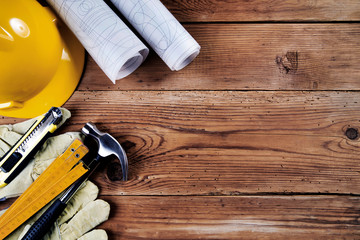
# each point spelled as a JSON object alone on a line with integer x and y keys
{"x": 108, "y": 146}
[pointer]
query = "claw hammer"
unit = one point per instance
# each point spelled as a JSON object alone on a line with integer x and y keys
{"x": 107, "y": 146}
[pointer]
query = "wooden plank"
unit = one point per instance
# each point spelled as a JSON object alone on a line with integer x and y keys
{"x": 242, "y": 217}
{"x": 252, "y": 56}
{"x": 227, "y": 143}
{"x": 263, "y": 10}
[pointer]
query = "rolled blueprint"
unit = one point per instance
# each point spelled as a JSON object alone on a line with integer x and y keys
{"x": 113, "y": 46}
{"x": 161, "y": 30}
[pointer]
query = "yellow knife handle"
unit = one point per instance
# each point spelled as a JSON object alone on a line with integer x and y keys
{"x": 16, "y": 159}
{"x": 16, "y": 163}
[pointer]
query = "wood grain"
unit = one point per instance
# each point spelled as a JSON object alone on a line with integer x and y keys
{"x": 258, "y": 138}
{"x": 252, "y": 57}
{"x": 241, "y": 217}
{"x": 227, "y": 143}
{"x": 263, "y": 10}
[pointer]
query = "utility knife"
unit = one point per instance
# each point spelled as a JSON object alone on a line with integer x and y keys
{"x": 19, "y": 155}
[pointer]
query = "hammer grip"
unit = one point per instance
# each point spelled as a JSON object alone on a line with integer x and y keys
{"x": 45, "y": 222}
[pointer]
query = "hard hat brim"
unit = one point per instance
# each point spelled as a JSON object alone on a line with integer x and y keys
{"x": 61, "y": 86}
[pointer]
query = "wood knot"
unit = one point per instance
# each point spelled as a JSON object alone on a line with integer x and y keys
{"x": 352, "y": 133}
{"x": 114, "y": 171}
{"x": 128, "y": 144}
{"x": 289, "y": 62}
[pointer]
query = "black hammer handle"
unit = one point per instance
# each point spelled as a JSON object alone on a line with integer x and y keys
{"x": 49, "y": 217}
{"x": 45, "y": 222}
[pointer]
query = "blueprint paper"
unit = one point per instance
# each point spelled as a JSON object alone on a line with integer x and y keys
{"x": 161, "y": 30}
{"x": 113, "y": 46}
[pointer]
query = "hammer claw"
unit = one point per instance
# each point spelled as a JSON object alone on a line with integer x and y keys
{"x": 108, "y": 145}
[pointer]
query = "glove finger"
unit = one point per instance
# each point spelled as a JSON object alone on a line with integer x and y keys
{"x": 4, "y": 147}
{"x": 51, "y": 149}
{"x": 86, "y": 219}
{"x": 8, "y": 137}
{"x": 95, "y": 235}
{"x": 22, "y": 127}
{"x": 19, "y": 232}
{"x": 85, "y": 195}
{"x": 16, "y": 188}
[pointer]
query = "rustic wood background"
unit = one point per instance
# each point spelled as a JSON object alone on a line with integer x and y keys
{"x": 256, "y": 139}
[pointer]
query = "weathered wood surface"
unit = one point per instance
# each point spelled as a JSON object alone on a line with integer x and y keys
{"x": 252, "y": 56}
{"x": 231, "y": 147}
{"x": 241, "y": 217}
{"x": 264, "y": 10}
{"x": 225, "y": 143}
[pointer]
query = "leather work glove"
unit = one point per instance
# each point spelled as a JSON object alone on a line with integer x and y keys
{"x": 53, "y": 147}
{"x": 82, "y": 214}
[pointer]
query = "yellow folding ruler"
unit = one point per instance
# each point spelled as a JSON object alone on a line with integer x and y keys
{"x": 62, "y": 172}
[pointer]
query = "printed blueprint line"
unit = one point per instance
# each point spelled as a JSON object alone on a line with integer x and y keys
{"x": 161, "y": 30}
{"x": 108, "y": 40}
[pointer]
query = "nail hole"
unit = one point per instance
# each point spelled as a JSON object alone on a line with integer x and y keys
{"x": 77, "y": 155}
{"x": 73, "y": 150}
{"x": 352, "y": 133}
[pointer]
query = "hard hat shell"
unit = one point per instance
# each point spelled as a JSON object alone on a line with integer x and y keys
{"x": 41, "y": 61}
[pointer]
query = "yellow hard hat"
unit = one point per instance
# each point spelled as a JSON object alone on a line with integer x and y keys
{"x": 41, "y": 61}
